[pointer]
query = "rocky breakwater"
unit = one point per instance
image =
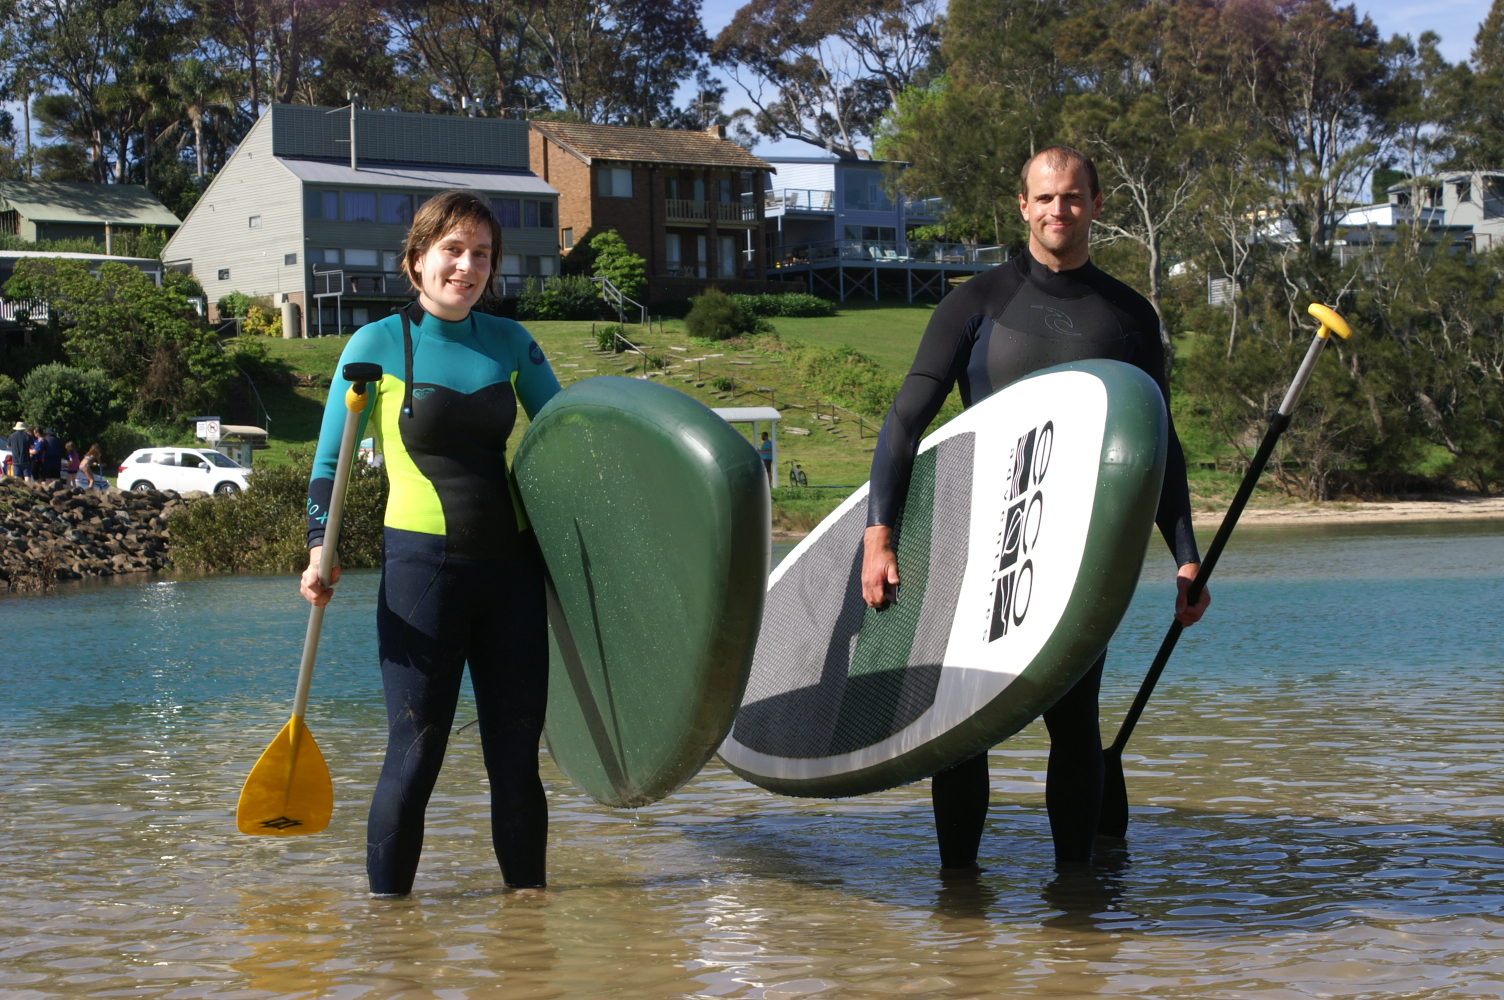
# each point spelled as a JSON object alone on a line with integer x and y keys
{"x": 57, "y": 532}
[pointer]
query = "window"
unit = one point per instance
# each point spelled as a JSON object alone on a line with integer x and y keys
{"x": 330, "y": 256}
{"x": 360, "y": 317}
{"x": 546, "y": 214}
{"x": 700, "y": 254}
{"x": 361, "y": 258}
{"x": 673, "y": 248}
{"x": 508, "y": 212}
{"x": 397, "y": 208}
{"x": 567, "y": 235}
{"x": 726, "y": 189}
{"x": 290, "y": 260}
{"x": 321, "y": 204}
{"x": 220, "y": 461}
{"x": 530, "y": 214}
{"x": 193, "y": 460}
{"x": 511, "y": 263}
{"x": 255, "y": 222}
{"x": 728, "y": 255}
{"x": 671, "y": 187}
{"x": 224, "y": 274}
{"x": 864, "y": 190}
{"x": 534, "y": 265}
{"x": 391, "y": 260}
{"x": 614, "y": 182}
{"x": 550, "y": 266}
{"x": 1465, "y": 190}
{"x": 360, "y": 206}
{"x": 699, "y": 189}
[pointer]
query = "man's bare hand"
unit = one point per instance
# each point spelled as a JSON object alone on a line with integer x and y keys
{"x": 1185, "y": 613}
{"x": 879, "y": 566}
{"x": 310, "y": 586}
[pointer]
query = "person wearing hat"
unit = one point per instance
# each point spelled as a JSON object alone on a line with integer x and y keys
{"x": 20, "y": 450}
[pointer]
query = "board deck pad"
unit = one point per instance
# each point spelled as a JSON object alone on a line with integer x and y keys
{"x": 1021, "y": 542}
{"x": 652, "y": 514}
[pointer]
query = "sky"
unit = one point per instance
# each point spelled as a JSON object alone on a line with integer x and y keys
{"x": 1456, "y": 21}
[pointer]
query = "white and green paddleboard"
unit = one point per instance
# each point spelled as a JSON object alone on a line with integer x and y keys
{"x": 1021, "y": 542}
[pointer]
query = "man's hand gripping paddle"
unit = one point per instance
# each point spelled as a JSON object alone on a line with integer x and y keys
{"x": 1114, "y": 821}
{"x": 289, "y": 791}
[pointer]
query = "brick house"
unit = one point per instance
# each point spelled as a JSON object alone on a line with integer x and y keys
{"x": 689, "y": 203}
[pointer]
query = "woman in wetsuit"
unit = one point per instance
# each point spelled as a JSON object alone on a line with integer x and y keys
{"x": 461, "y": 579}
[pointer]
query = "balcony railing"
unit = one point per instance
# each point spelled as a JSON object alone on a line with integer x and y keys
{"x": 23, "y": 310}
{"x": 933, "y": 207}
{"x": 686, "y": 210}
{"x": 799, "y": 200}
{"x": 734, "y": 211}
{"x": 852, "y": 252}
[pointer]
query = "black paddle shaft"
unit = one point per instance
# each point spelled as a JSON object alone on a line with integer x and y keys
{"x": 1277, "y": 427}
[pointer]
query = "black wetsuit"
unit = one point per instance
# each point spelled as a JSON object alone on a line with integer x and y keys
{"x": 461, "y": 580}
{"x": 993, "y": 330}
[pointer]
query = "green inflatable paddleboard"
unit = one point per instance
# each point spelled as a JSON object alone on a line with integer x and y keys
{"x": 1020, "y": 545}
{"x": 653, "y": 517}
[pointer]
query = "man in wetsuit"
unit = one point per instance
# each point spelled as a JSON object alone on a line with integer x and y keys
{"x": 1048, "y": 306}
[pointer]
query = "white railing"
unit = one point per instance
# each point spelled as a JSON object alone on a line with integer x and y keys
{"x": 889, "y": 252}
{"x": 799, "y": 200}
{"x": 24, "y": 310}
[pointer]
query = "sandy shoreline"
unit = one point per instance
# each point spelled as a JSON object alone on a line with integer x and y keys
{"x": 1437, "y": 509}
{"x": 1440, "y": 509}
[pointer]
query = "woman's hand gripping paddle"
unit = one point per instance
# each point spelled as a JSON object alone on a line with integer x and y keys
{"x": 289, "y": 791}
{"x": 1114, "y": 821}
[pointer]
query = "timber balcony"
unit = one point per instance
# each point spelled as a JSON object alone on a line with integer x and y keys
{"x": 736, "y": 213}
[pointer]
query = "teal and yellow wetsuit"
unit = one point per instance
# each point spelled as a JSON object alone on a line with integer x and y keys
{"x": 461, "y": 578}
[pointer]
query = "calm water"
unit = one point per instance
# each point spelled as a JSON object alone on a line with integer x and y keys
{"x": 1317, "y": 788}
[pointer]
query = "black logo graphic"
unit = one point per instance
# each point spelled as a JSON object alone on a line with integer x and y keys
{"x": 281, "y": 823}
{"x": 1058, "y": 321}
{"x": 423, "y": 393}
{"x": 535, "y": 353}
{"x": 1013, "y": 579}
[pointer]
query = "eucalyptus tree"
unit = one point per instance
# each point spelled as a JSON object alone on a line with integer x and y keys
{"x": 470, "y": 52}
{"x": 824, "y": 72}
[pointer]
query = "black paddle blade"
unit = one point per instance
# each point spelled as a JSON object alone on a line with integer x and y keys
{"x": 1114, "y": 821}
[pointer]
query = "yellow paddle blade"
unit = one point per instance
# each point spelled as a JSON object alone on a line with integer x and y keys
{"x": 288, "y": 792}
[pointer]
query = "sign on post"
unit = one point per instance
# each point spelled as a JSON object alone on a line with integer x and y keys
{"x": 208, "y": 430}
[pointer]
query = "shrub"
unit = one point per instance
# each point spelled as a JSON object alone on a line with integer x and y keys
{"x": 723, "y": 383}
{"x": 118, "y": 440}
{"x": 605, "y": 337}
{"x": 789, "y": 304}
{"x": 613, "y": 260}
{"x": 262, "y": 322}
{"x": 10, "y": 402}
{"x": 559, "y": 297}
{"x": 78, "y": 404}
{"x": 265, "y": 529}
{"x": 717, "y": 316}
{"x": 234, "y": 304}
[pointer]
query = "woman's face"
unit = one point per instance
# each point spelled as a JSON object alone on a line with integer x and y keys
{"x": 452, "y": 274}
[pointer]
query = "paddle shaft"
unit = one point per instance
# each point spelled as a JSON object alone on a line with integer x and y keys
{"x": 1277, "y": 426}
{"x": 327, "y": 556}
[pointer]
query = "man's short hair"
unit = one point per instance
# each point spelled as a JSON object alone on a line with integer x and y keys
{"x": 1061, "y": 158}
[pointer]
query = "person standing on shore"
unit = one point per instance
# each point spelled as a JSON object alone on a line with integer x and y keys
{"x": 461, "y": 574}
{"x": 19, "y": 444}
{"x": 50, "y": 456}
{"x": 1048, "y": 306}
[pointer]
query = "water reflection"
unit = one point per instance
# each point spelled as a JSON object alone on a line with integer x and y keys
{"x": 1316, "y": 791}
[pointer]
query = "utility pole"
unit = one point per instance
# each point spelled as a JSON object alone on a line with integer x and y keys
{"x": 354, "y": 100}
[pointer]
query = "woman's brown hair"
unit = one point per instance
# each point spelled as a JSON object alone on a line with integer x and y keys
{"x": 93, "y": 452}
{"x": 443, "y": 214}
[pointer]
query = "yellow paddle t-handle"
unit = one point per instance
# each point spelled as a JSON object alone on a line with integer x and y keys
{"x": 1330, "y": 321}
{"x": 289, "y": 791}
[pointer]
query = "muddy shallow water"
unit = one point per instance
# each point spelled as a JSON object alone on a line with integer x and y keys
{"x": 1317, "y": 791}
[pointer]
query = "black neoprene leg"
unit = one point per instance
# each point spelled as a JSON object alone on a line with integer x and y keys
{"x": 422, "y": 662}
{"x": 509, "y": 670}
{"x": 959, "y": 796}
{"x": 1073, "y": 787}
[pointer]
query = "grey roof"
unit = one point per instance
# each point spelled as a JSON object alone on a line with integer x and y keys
{"x": 400, "y": 137}
{"x": 70, "y": 201}
{"x": 399, "y": 175}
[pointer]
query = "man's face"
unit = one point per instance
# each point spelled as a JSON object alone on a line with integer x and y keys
{"x": 1059, "y": 207}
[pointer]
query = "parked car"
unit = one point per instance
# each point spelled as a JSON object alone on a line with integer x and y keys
{"x": 181, "y": 469}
